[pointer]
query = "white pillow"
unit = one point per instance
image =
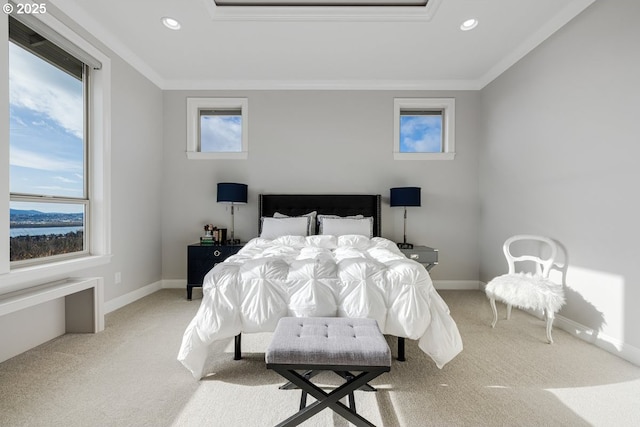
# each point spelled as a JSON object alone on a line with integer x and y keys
{"x": 343, "y": 226}
{"x": 312, "y": 220}
{"x": 276, "y": 227}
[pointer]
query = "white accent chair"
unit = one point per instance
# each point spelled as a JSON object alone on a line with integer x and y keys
{"x": 533, "y": 291}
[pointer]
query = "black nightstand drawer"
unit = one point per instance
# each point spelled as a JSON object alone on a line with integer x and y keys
{"x": 202, "y": 258}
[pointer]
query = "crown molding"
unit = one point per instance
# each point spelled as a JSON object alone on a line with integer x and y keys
{"x": 320, "y": 85}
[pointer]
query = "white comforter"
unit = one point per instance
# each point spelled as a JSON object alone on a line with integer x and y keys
{"x": 349, "y": 276}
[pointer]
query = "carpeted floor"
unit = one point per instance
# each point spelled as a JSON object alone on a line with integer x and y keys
{"x": 128, "y": 376}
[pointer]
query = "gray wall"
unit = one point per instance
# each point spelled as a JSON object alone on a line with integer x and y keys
{"x": 325, "y": 142}
{"x": 560, "y": 158}
{"x": 136, "y": 179}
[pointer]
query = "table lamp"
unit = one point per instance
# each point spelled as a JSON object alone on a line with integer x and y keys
{"x": 234, "y": 194}
{"x": 405, "y": 196}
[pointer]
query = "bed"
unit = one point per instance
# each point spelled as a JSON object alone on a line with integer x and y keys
{"x": 319, "y": 256}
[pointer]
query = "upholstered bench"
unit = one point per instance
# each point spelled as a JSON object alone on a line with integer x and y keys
{"x": 337, "y": 344}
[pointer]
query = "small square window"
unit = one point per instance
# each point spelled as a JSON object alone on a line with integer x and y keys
{"x": 220, "y": 131}
{"x": 420, "y": 131}
{"x": 217, "y": 128}
{"x": 424, "y": 129}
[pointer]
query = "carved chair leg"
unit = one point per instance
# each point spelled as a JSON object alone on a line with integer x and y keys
{"x": 492, "y": 301}
{"x": 550, "y": 316}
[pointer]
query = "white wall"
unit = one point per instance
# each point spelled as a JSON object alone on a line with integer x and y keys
{"x": 325, "y": 142}
{"x": 560, "y": 158}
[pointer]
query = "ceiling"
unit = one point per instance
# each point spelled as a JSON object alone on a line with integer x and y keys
{"x": 323, "y": 47}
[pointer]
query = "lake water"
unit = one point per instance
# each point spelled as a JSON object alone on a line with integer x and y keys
{"x": 39, "y": 231}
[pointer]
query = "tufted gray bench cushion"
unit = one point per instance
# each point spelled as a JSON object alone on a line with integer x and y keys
{"x": 328, "y": 341}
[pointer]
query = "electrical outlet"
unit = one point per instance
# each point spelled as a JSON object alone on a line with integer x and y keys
{"x": 118, "y": 277}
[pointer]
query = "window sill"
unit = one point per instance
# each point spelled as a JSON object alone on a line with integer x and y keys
{"x": 424, "y": 156}
{"x": 196, "y": 155}
{"x": 21, "y": 278}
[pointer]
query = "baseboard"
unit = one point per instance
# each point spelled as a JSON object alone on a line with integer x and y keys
{"x": 121, "y": 301}
{"x": 604, "y": 341}
{"x": 457, "y": 285}
{"x": 174, "y": 284}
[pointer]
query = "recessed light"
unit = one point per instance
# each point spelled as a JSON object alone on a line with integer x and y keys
{"x": 170, "y": 23}
{"x": 469, "y": 24}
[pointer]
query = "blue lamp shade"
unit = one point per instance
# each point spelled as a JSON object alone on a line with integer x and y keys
{"x": 405, "y": 196}
{"x": 229, "y": 192}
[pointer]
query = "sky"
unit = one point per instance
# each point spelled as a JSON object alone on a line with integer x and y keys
{"x": 46, "y": 130}
{"x": 421, "y": 134}
{"x": 220, "y": 133}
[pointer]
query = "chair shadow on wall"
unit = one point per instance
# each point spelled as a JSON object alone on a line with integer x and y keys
{"x": 587, "y": 311}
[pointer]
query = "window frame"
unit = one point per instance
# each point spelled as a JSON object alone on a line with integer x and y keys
{"x": 194, "y": 106}
{"x": 446, "y": 106}
{"x": 99, "y": 167}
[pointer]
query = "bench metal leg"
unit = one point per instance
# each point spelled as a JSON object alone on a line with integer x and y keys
{"x": 327, "y": 400}
{"x": 401, "y": 357}
{"x": 237, "y": 353}
{"x": 310, "y": 374}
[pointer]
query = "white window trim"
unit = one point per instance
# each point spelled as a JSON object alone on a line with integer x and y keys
{"x": 447, "y": 105}
{"x": 194, "y": 105}
{"x": 12, "y": 279}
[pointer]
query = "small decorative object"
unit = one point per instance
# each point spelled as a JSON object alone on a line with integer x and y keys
{"x": 405, "y": 196}
{"x": 213, "y": 235}
{"x": 208, "y": 238}
{"x": 233, "y": 194}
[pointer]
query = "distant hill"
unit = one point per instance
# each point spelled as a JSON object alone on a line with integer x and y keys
{"x": 23, "y": 218}
{"x": 24, "y": 212}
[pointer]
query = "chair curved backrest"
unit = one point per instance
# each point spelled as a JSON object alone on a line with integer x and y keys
{"x": 543, "y": 265}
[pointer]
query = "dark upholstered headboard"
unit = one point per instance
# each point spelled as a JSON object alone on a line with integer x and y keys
{"x": 324, "y": 204}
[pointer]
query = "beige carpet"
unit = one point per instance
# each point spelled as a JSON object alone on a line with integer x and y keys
{"x": 128, "y": 376}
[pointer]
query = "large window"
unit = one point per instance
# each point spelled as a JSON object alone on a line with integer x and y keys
{"x": 49, "y": 198}
{"x": 424, "y": 129}
{"x": 217, "y": 128}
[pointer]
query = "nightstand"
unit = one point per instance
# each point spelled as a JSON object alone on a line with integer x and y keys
{"x": 423, "y": 254}
{"x": 202, "y": 258}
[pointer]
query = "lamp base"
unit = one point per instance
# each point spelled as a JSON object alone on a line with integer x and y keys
{"x": 405, "y": 245}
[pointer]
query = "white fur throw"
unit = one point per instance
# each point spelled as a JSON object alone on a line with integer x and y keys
{"x": 528, "y": 291}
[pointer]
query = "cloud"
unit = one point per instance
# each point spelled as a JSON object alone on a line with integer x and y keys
{"x": 34, "y": 160}
{"x": 221, "y": 133}
{"x": 41, "y": 87}
{"x": 65, "y": 180}
{"x": 421, "y": 134}
{"x": 59, "y": 191}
